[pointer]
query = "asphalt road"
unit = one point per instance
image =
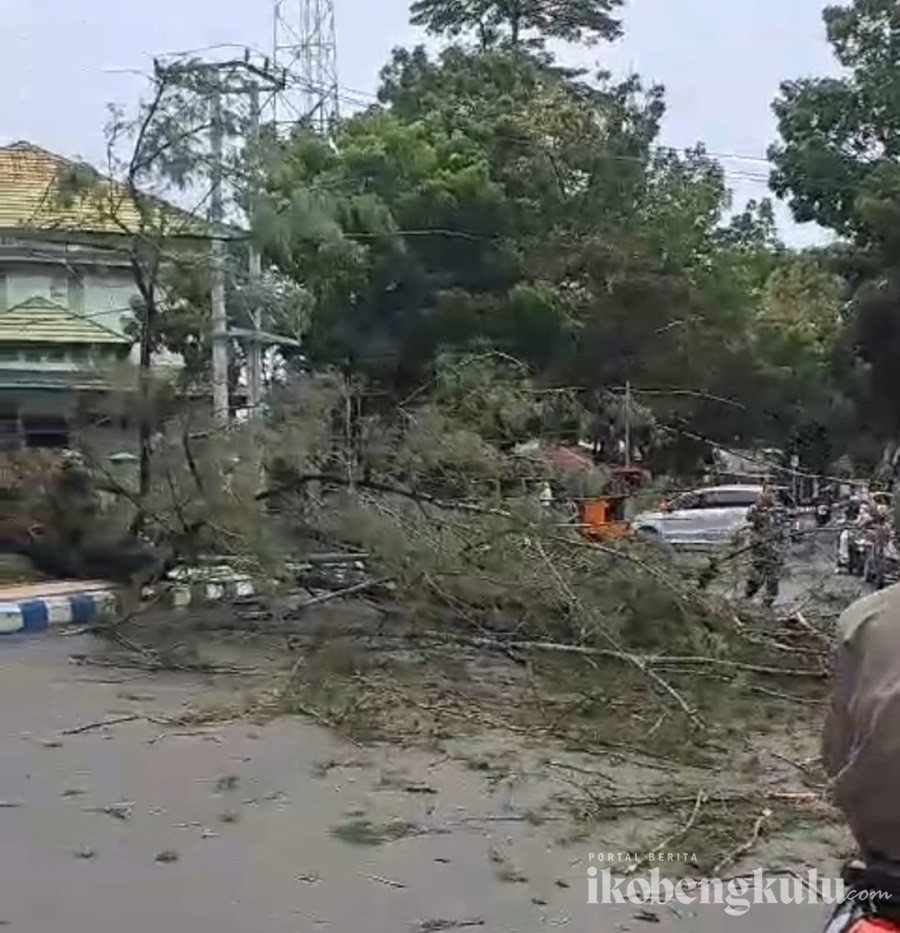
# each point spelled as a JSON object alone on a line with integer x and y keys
{"x": 140, "y": 826}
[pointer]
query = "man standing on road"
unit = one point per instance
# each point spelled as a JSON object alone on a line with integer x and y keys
{"x": 765, "y": 548}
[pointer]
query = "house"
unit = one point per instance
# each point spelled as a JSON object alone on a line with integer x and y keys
{"x": 66, "y": 295}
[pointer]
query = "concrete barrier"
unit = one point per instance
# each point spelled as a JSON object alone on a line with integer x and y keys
{"x": 37, "y": 608}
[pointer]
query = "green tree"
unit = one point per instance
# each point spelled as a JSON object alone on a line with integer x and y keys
{"x": 494, "y": 202}
{"x": 837, "y": 162}
{"x": 518, "y": 22}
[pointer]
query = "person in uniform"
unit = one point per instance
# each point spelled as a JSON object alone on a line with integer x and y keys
{"x": 765, "y": 548}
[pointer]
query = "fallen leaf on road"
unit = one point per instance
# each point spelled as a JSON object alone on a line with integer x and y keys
{"x": 123, "y": 810}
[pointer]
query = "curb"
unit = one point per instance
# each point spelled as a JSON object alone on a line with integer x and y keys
{"x": 38, "y": 615}
{"x": 89, "y": 606}
{"x": 87, "y": 603}
{"x": 197, "y": 588}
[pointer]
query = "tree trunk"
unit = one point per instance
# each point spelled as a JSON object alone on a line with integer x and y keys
{"x": 145, "y": 422}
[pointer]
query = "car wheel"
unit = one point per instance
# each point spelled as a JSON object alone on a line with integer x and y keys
{"x": 647, "y": 531}
{"x": 651, "y": 535}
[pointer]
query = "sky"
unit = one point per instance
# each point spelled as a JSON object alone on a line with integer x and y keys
{"x": 721, "y": 62}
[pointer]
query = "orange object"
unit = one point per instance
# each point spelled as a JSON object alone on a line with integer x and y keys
{"x": 603, "y": 518}
{"x": 874, "y": 925}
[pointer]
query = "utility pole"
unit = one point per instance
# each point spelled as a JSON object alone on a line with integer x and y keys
{"x": 627, "y": 423}
{"x": 217, "y": 216}
{"x": 254, "y": 348}
{"x": 239, "y": 77}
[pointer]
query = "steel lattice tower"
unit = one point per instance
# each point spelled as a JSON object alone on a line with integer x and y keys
{"x": 305, "y": 47}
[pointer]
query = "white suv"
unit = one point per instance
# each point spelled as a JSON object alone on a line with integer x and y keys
{"x": 704, "y": 517}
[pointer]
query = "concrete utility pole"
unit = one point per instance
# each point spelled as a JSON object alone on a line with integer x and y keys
{"x": 229, "y": 78}
{"x": 254, "y": 345}
{"x": 627, "y": 423}
{"x": 217, "y": 296}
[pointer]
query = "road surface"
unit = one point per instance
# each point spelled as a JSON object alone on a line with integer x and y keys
{"x": 277, "y": 828}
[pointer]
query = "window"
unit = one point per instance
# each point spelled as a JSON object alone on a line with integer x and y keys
{"x": 9, "y": 428}
{"x": 733, "y": 498}
{"x": 75, "y": 293}
{"x": 59, "y": 289}
{"x": 688, "y": 500}
{"x": 46, "y": 432}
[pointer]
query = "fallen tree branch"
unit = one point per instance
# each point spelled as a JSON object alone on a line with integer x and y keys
{"x": 745, "y": 847}
{"x": 623, "y": 655}
{"x": 338, "y": 594}
{"x": 663, "y": 801}
{"x": 669, "y": 840}
{"x": 644, "y": 662}
{"x": 100, "y": 724}
{"x": 301, "y": 480}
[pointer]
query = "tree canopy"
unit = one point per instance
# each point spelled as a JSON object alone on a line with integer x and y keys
{"x": 492, "y": 201}
{"x": 837, "y": 164}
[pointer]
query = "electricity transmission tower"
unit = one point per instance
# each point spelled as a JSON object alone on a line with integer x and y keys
{"x": 305, "y": 48}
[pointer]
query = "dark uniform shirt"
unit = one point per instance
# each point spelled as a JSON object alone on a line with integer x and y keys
{"x": 766, "y": 529}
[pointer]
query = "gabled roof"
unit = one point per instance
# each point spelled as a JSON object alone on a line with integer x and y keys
{"x": 32, "y": 197}
{"x": 38, "y": 320}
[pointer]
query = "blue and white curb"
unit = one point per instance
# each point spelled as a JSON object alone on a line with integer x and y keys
{"x": 38, "y": 615}
{"x": 185, "y": 587}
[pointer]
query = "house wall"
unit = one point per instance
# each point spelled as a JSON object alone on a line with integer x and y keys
{"x": 104, "y": 294}
{"x": 79, "y": 279}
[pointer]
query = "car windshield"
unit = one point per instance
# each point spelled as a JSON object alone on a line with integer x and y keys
{"x": 732, "y": 498}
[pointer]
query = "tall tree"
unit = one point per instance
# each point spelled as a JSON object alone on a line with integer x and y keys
{"x": 838, "y": 162}
{"x": 520, "y": 22}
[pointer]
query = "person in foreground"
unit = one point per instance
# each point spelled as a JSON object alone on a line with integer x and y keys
{"x": 861, "y": 755}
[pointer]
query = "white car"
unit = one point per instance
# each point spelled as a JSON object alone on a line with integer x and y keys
{"x": 703, "y": 517}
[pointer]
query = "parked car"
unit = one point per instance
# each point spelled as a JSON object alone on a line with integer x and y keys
{"x": 708, "y": 516}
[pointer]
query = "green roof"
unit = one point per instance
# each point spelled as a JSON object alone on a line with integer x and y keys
{"x": 39, "y": 320}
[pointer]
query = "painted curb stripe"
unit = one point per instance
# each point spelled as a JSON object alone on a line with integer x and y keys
{"x": 34, "y": 616}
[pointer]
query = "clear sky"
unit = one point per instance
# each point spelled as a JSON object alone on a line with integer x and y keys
{"x": 720, "y": 60}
